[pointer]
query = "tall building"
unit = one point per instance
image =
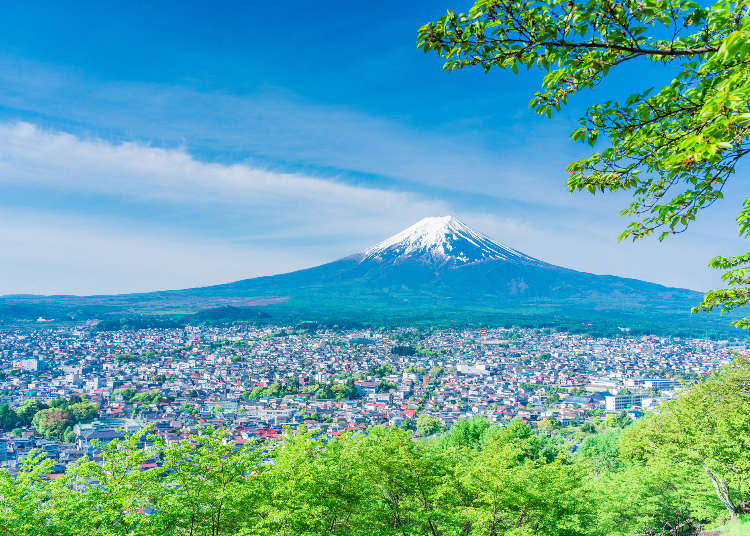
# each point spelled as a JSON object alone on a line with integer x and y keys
{"x": 621, "y": 402}
{"x": 31, "y": 364}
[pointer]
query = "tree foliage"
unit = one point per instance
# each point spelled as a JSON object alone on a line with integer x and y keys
{"x": 706, "y": 430}
{"x": 673, "y": 148}
{"x": 8, "y": 417}
{"x": 51, "y": 420}
{"x": 652, "y": 499}
{"x": 656, "y": 477}
{"x": 428, "y": 425}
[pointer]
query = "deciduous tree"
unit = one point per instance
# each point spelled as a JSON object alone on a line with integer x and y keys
{"x": 673, "y": 148}
{"x": 707, "y": 429}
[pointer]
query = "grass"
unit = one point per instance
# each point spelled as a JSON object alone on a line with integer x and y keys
{"x": 738, "y": 527}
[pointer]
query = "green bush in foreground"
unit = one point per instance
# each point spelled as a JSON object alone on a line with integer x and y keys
{"x": 475, "y": 479}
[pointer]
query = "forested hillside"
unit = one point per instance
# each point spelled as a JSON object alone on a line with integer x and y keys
{"x": 671, "y": 473}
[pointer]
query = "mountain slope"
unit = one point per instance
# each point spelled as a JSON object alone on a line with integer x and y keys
{"x": 437, "y": 268}
{"x": 442, "y": 258}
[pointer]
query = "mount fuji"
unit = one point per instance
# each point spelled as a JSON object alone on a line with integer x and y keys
{"x": 439, "y": 268}
{"x": 442, "y": 241}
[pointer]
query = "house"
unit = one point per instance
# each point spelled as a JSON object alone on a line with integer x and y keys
{"x": 88, "y": 440}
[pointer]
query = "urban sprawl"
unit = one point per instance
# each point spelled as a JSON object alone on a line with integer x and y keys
{"x": 69, "y": 391}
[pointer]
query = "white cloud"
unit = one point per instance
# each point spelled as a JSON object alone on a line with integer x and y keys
{"x": 30, "y": 155}
{"x": 279, "y": 126}
{"x": 288, "y": 220}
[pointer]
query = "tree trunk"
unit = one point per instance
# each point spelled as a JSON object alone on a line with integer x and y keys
{"x": 722, "y": 491}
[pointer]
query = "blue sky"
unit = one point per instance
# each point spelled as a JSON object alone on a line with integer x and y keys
{"x": 166, "y": 145}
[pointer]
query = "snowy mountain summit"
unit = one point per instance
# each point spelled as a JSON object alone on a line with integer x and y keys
{"x": 443, "y": 241}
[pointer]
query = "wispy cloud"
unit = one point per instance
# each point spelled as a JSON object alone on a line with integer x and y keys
{"x": 31, "y": 156}
{"x": 278, "y": 128}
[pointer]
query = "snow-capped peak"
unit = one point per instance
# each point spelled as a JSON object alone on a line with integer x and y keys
{"x": 442, "y": 240}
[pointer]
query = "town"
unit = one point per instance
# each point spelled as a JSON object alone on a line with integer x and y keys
{"x": 66, "y": 391}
